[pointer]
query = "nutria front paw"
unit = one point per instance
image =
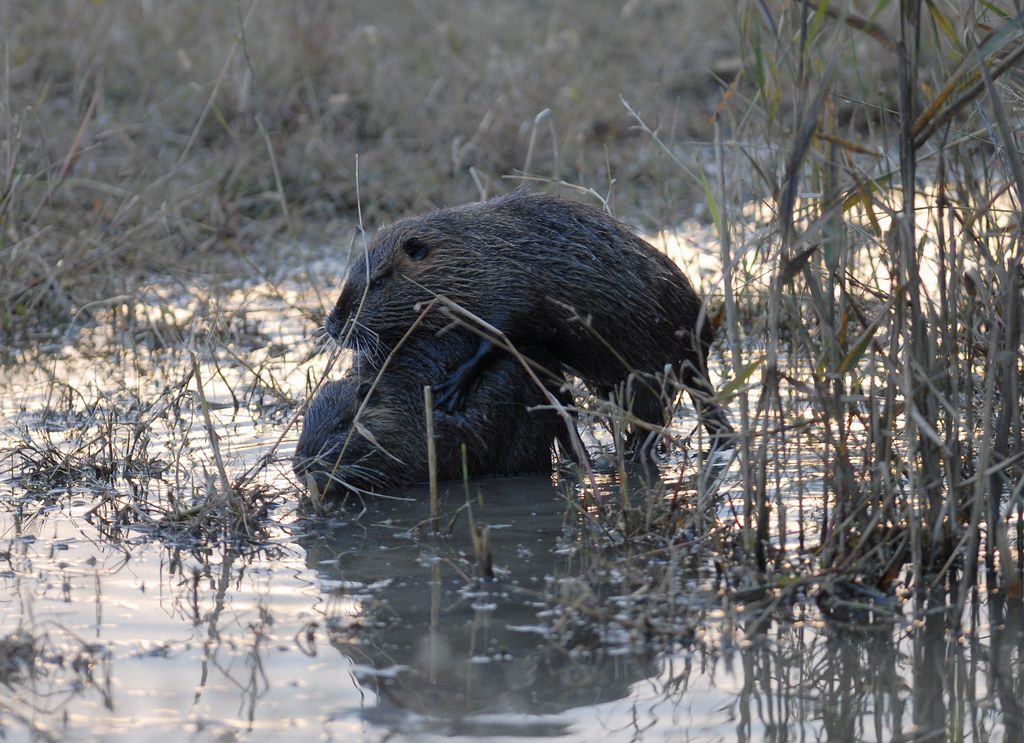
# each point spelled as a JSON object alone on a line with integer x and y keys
{"x": 450, "y": 394}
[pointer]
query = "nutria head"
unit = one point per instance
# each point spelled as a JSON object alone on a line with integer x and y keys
{"x": 336, "y": 449}
{"x": 456, "y": 253}
{"x": 378, "y": 300}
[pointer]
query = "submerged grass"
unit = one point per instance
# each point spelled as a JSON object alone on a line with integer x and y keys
{"x": 140, "y": 433}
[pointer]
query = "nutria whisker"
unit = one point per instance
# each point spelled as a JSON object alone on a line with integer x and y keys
{"x": 321, "y": 340}
{"x": 366, "y": 474}
{"x": 367, "y": 344}
{"x": 325, "y": 466}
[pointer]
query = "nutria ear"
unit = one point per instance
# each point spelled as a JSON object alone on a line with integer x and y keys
{"x": 416, "y": 249}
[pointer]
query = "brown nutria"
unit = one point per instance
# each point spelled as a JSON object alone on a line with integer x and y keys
{"x": 552, "y": 274}
{"x": 386, "y": 447}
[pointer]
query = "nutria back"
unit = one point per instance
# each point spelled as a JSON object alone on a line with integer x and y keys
{"x": 550, "y": 273}
{"x": 386, "y": 446}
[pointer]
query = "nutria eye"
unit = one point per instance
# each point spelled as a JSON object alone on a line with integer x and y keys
{"x": 416, "y": 249}
{"x": 379, "y": 281}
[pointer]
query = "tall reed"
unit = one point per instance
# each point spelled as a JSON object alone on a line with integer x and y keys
{"x": 891, "y": 344}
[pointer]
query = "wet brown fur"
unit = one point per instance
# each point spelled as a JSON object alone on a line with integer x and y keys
{"x": 551, "y": 273}
{"x": 501, "y": 437}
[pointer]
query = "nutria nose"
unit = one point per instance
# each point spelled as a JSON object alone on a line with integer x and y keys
{"x": 335, "y": 326}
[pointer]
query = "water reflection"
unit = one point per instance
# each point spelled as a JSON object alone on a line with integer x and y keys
{"x": 883, "y": 682}
{"x": 437, "y": 649}
{"x": 433, "y": 642}
{"x": 372, "y": 626}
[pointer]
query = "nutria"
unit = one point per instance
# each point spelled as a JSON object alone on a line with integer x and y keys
{"x": 548, "y": 272}
{"x": 387, "y": 448}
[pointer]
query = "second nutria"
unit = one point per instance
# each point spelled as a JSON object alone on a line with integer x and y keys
{"x": 549, "y": 273}
{"x": 354, "y": 439}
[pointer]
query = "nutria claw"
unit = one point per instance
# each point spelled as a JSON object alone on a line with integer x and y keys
{"x": 450, "y": 393}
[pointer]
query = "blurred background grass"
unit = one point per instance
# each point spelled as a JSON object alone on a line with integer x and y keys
{"x": 166, "y": 137}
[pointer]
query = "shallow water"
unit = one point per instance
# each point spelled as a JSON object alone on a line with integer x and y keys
{"x": 367, "y": 625}
{"x": 366, "y": 628}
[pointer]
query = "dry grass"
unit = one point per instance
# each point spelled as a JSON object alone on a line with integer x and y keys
{"x": 889, "y": 278}
{"x": 185, "y": 139}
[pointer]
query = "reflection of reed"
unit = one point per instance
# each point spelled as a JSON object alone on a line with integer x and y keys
{"x": 44, "y": 665}
{"x": 1006, "y": 656}
{"x": 252, "y": 687}
{"x": 879, "y": 683}
{"x": 439, "y": 643}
